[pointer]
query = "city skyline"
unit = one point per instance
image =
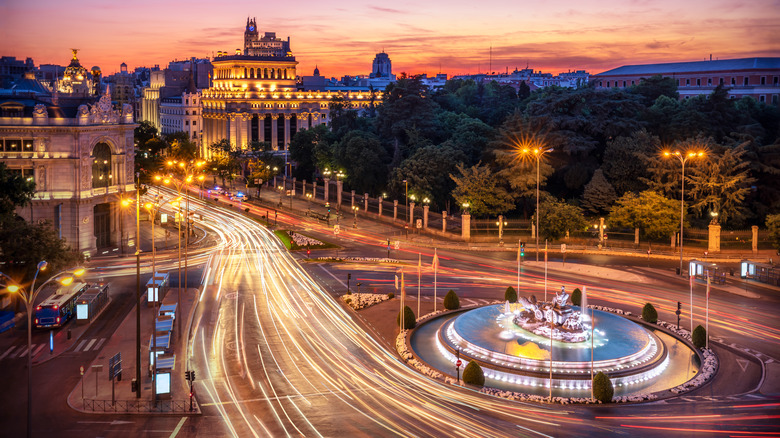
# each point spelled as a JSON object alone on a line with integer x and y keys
{"x": 453, "y": 37}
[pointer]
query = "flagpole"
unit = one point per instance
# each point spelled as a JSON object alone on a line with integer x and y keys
{"x": 518, "y": 266}
{"x": 419, "y": 266}
{"x": 592, "y": 332}
{"x": 435, "y": 271}
{"x": 707, "y": 318}
{"x": 545, "y": 274}
{"x": 403, "y": 297}
{"x": 690, "y": 281}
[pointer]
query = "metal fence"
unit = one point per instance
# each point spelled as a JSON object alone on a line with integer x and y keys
{"x": 179, "y": 406}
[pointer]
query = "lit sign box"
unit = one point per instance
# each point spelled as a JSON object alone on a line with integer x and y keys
{"x": 163, "y": 383}
{"x": 82, "y": 311}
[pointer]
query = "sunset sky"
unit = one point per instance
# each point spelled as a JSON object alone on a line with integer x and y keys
{"x": 429, "y": 36}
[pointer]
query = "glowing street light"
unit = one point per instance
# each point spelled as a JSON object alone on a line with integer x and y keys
{"x": 536, "y": 152}
{"x": 683, "y": 157}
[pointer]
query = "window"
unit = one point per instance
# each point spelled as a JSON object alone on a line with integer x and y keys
{"x": 733, "y": 81}
{"x": 194, "y": 122}
{"x": 13, "y": 145}
{"x": 698, "y": 82}
{"x": 607, "y": 84}
{"x": 747, "y": 81}
{"x": 187, "y": 123}
{"x": 624, "y": 84}
{"x": 775, "y": 80}
{"x": 101, "y": 166}
{"x": 601, "y": 83}
{"x": 763, "y": 80}
{"x": 762, "y": 98}
{"x": 709, "y": 81}
{"x": 721, "y": 81}
{"x": 687, "y": 82}
{"x": 774, "y": 99}
{"x": 27, "y": 145}
{"x": 632, "y": 83}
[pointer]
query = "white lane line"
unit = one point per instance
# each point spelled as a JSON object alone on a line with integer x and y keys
{"x": 92, "y": 341}
{"x": 25, "y": 350}
{"x": 178, "y": 427}
{"x": 81, "y": 344}
{"x": 13, "y": 347}
{"x": 97, "y": 347}
{"x": 38, "y": 350}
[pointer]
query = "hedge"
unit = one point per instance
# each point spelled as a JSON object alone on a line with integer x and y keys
{"x": 473, "y": 374}
{"x": 409, "y": 319}
{"x": 649, "y": 314}
{"x": 451, "y": 301}
{"x": 510, "y": 295}
{"x": 602, "y": 388}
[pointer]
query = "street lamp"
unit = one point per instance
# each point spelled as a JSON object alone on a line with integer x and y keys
{"x": 29, "y": 296}
{"x": 406, "y": 198}
{"x": 537, "y": 152}
{"x": 683, "y": 158}
{"x": 355, "y": 209}
{"x": 187, "y": 172}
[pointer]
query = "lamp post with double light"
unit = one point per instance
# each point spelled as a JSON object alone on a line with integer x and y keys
{"x": 29, "y": 296}
{"x": 536, "y": 152}
{"x": 683, "y": 157}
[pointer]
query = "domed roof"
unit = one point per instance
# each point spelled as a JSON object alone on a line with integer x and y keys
{"x": 74, "y": 69}
{"x": 30, "y": 84}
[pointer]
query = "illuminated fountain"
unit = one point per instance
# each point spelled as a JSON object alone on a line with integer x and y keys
{"x": 513, "y": 345}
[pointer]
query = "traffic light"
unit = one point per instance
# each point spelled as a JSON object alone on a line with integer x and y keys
{"x": 192, "y": 375}
{"x": 349, "y": 276}
{"x": 522, "y": 249}
{"x": 679, "y": 308}
{"x": 187, "y": 376}
{"x": 308, "y": 252}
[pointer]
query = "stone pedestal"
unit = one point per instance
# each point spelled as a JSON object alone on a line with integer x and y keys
{"x": 411, "y": 214}
{"x": 465, "y": 226}
{"x": 443, "y": 221}
{"x": 339, "y": 188}
{"x": 380, "y": 206}
{"x": 395, "y": 209}
{"x": 714, "y": 238}
{"x": 352, "y": 200}
{"x": 425, "y": 216}
{"x": 293, "y": 186}
{"x": 754, "y": 228}
{"x": 365, "y": 202}
{"x": 636, "y": 236}
{"x": 327, "y": 189}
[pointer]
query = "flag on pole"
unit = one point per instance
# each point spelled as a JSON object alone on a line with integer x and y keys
{"x": 403, "y": 287}
{"x": 518, "y": 251}
{"x": 435, "y": 262}
{"x": 419, "y": 263}
{"x": 708, "y": 289}
{"x": 396, "y": 281}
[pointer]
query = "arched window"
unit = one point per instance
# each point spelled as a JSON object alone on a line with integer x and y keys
{"x": 245, "y": 73}
{"x": 101, "y": 166}
{"x": 265, "y": 73}
{"x": 279, "y": 73}
{"x": 252, "y": 73}
{"x": 285, "y": 73}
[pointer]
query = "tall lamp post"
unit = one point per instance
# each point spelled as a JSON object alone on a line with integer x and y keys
{"x": 537, "y": 152}
{"x": 406, "y": 198}
{"x": 29, "y": 296}
{"x": 683, "y": 157}
{"x": 187, "y": 172}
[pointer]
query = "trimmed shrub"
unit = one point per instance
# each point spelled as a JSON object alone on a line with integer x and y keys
{"x": 473, "y": 374}
{"x": 649, "y": 314}
{"x": 510, "y": 295}
{"x": 451, "y": 301}
{"x": 391, "y": 295}
{"x": 699, "y": 337}
{"x": 576, "y": 297}
{"x": 246, "y": 209}
{"x": 349, "y": 292}
{"x": 602, "y": 388}
{"x": 348, "y": 300}
{"x": 409, "y": 320}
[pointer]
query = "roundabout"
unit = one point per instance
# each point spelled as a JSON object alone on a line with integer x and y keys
{"x": 528, "y": 355}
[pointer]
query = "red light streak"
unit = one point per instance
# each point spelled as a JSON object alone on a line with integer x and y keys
{"x": 680, "y": 429}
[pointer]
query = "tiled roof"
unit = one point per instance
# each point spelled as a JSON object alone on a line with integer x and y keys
{"x": 696, "y": 66}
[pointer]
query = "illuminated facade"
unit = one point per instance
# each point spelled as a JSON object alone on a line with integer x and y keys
{"x": 81, "y": 157}
{"x": 77, "y": 79}
{"x": 255, "y": 95}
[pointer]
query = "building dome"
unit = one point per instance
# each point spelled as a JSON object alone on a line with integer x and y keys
{"x": 74, "y": 70}
{"x": 316, "y": 71}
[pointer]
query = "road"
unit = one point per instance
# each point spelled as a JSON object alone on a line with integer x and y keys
{"x": 276, "y": 355}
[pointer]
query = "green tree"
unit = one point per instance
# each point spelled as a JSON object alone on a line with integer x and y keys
{"x": 722, "y": 183}
{"x": 649, "y": 313}
{"x": 655, "y": 86}
{"x": 473, "y": 374}
{"x": 409, "y": 319}
{"x": 310, "y": 148}
{"x": 364, "y": 159}
{"x": 602, "y": 388}
{"x": 655, "y": 216}
{"x": 626, "y": 161}
{"x": 599, "y": 194}
{"x": 557, "y": 217}
{"x": 773, "y": 225}
{"x": 23, "y": 245}
{"x": 699, "y": 337}
{"x": 182, "y": 148}
{"x": 144, "y": 132}
{"x": 427, "y": 173}
{"x": 478, "y": 187}
{"x": 510, "y": 295}
{"x": 576, "y": 297}
{"x": 451, "y": 300}
{"x": 15, "y": 190}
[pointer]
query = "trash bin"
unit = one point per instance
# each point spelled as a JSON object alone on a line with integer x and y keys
{"x": 134, "y": 385}
{"x": 677, "y": 270}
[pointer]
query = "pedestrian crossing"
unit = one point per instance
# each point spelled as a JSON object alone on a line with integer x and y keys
{"x": 21, "y": 351}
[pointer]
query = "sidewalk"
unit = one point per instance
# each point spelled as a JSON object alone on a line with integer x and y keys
{"x": 94, "y": 393}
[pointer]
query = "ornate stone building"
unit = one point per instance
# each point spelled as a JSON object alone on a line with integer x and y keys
{"x": 255, "y": 95}
{"x": 80, "y": 155}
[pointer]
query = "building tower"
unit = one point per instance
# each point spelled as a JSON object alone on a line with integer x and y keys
{"x": 382, "y": 67}
{"x": 251, "y": 34}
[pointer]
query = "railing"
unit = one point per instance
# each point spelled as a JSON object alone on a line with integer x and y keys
{"x": 182, "y": 406}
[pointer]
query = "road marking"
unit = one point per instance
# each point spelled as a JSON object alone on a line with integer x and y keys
{"x": 178, "y": 427}
{"x": 97, "y": 347}
{"x": 742, "y": 364}
{"x": 13, "y": 347}
{"x": 25, "y": 350}
{"x": 92, "y": 341}
{"x": 81, "y": 344}
{"x": 38, "y": 350}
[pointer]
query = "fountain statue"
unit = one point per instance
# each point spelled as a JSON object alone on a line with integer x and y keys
{"x": 557, "y": 316}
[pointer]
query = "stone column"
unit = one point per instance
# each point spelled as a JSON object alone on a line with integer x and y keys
{"x": 411, "y": 214}
{"x": 339, "y": 188}
{"x": 380, "y": 205}
{"x": 327, "y": 188}
{"x": 714, "y": 238}
{"x": 261, "y": 127}
{"x": 674, "y": 239}
{"x": 443, "y": 221}
{"x": 601, "y": 230}
{"x": 274, "y": 132}
{"x": 501, "y": 227}
{"x": 314, "y": 190}
{"x": 465, "y": 227}
{"x": 636, "y": 236}
{"x": 352, "y": 202}
{"x": 754, "y": 228}
{"x": 395, "y": 209}
{"x": 293, "y": 186}
{"x": 365, "y": 201}
{"x": 305, "y": 121}
{"x": 286, "y": 130}
{"x": 231, "y": 122}
{"x": 244, "y": 135}
{"x": 304, "y": 188}
{"x": 425, "y": 216}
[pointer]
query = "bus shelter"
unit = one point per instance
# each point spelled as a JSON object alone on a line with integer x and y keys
{"x": 156, "y": 287}
{"x": 700, "y": 270}
{"x": 162, "y": 346}
{"x": 762, "y": 272}
{"x": 163, "y": 378}
{"x": 91, "y": 303}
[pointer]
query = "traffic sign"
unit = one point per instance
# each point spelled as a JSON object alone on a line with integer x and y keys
{"x": 563, "y": 247}
{"x": 458, "y": 363}
{"x": 336, "y": 229}
{"x": 419, "y": 223}
{"x": 397, "y": 244}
